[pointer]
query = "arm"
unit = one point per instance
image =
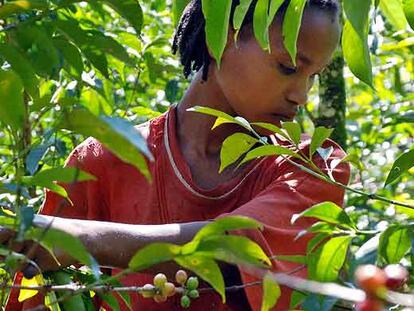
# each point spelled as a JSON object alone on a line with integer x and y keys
{"x": 114, "y": 244}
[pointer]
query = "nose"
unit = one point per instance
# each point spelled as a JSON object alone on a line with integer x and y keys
{"x": 297, "y": 93}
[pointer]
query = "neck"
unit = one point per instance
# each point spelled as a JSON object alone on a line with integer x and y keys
{"x": 193, "y": 128}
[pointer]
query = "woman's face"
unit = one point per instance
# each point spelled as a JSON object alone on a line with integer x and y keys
{"x": 262, "y": 86}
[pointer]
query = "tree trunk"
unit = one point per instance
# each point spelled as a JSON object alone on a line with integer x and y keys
{"x": 332, "y": 100}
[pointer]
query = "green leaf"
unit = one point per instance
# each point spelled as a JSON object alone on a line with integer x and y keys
{"x": 109, "y": 45}
{"x": 39, "y": 49}
{"x": 260, "y": 27}
{"x": 80, "y": 38}
{"x": 130, "y": 10}
{"x": 110, "y": 300}
{"x": 35, "y": 155}
{"x": 222, "y": 117}
{"x": 329, "y": 212}
{"x": 217, "y": 16}
{"x": 11, "y": 105}
{"x": 46, "y": 178}
{"x": 234, "y": 147}
{"x": 325, "y": 263}
{"x": 393, "y": 11}
{"x": 239, "y": 14}
{"x": 178, "y": 8}
{"x": 293, "y": 129}
{"x": 408, "y": 6}
{"x": 71, "y": 303}
{"x": 291, "y": 26}
{"x": 268, "y": 150}
{"x": 25, "y": 216}
{"x": 355, "y": 39}
{"x": 53, "y": 238}
{"x": 354, "y": 160}
{"x": 403, "y": 163}
{"x": 71, "y": 55}
{"x": 153, "y": 254}
{"x": 319, "y": 136}
{"x": 274, "y": 7}
{"x": 292, "y": 258}
{"x": 205, "y": 268}
{"x": 219, "y": 227}
{"x": 22, "y": 67}
{"x": 233, "y": 249}
{"x": 271, "y": 292}
{"x": 394, "y": 243}
{"x": 272, "y": 128}
{"x": 118, "y": 135}
{"x": 20, "y": 6}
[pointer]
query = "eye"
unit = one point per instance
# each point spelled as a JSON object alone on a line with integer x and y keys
{"x": 287, "y": 70}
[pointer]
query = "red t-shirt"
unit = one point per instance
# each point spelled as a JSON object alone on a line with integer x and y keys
{"x": 271, "y": 191}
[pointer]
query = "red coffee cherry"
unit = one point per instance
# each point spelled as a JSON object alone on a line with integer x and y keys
{"x": 369, "y": 305}
{"x": 371, "y": 279}
{"x": 396, "y": 276}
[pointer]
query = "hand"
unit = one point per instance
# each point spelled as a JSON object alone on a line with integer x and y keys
{"x": 32, "y": 258}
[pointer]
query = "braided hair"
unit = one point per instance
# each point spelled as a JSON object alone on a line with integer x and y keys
{"x": 190, "y": 39}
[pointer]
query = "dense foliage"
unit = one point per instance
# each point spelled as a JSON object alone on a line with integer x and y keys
{"x": 75, "y": 69}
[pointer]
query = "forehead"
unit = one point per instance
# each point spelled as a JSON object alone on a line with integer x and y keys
{"x": 318, "y": 37}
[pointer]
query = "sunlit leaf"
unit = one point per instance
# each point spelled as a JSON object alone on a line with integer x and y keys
{"x": 301, "y": 259}
{"x": 319, "y": 136}
{"x": 22, "y": 67}
{"x": 291, "y": 26}
{"x": 273, "y": 9}
{"x": 293, "y": 129}
{"x": 19, "y": 6}
{"x": 324, "y": 264}
{"x": 205, "y": 268}
{"x": 11, "y": 105}
{"x": 218, "y": 227}
{"x": 271, "y": 292}
{"x": 327, "y": 211}
{"x": 234, "y": 147}
{"x": 408, "y": 6}
{"x": 239, "y": 14}
{"x": 217, "y": 16}
{"x": 118, "y": 135}
{"x": 393, "y": 11}
{"x": 233, "y": 249}
{"x": 260, "y": 27}
{"x": 394, "y": 243}
{"x": 403, "y": 163}
{"x": 153, "y": 254}
{"x": 268, "y": 150}
{"x": 355, "y": 39}
{"x": 130, "y": 10}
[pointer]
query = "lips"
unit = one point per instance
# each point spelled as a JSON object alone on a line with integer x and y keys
{"x": 285, "y": 116}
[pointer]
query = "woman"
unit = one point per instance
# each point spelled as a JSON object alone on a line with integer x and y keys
{"x": 187, "y": 191}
